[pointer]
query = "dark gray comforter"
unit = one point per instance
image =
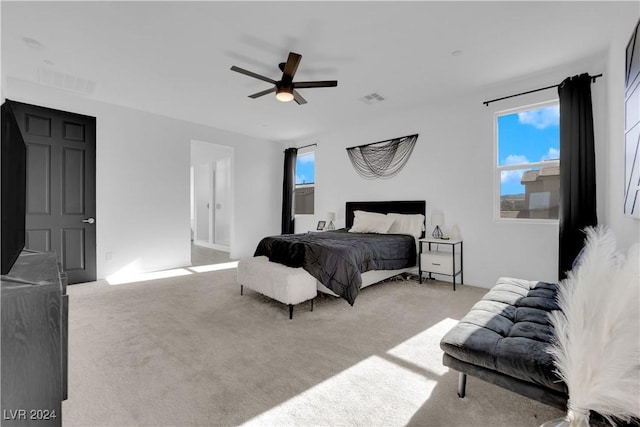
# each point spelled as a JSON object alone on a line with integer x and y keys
{"x": 337, "y": 258}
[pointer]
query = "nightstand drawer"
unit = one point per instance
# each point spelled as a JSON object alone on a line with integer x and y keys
{"x": 439, "y": 262}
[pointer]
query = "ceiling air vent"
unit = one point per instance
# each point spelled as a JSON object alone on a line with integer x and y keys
{"x": 372, "y": 98}
{"x": 65, "y": 81}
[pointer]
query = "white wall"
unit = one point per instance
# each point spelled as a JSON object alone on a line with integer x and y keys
{"x": 209, "y": 151}
{"x": 143, "y": 160}
{"x": 452, "y": 168}
{"x": 626, "y": 228}
{"x": 143, "y": 175}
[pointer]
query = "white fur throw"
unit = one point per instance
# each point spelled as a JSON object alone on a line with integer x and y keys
{"x": 597, "y": 352}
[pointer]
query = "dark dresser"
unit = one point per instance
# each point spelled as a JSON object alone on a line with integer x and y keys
{"x": 34, "y": 341}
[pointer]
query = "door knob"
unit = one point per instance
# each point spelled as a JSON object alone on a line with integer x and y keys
{"x": 89, "y": 220}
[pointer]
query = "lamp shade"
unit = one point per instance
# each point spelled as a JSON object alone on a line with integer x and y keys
{"x": 331, "y": 216}
{"x": 437, "y": 218}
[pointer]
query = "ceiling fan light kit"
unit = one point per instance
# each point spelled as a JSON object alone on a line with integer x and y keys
{"x": 284, "y": 93}
{"x": 285, "y": 89}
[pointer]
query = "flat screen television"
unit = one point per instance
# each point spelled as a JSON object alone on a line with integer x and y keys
{"x": 13, "y": 174}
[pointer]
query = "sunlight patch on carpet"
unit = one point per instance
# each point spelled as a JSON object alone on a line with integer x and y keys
{"x": 413, "y": 349}
{"x": 372, "y": 392}
{"x": 120, "y": 279}
{"x": 214, "y": 267}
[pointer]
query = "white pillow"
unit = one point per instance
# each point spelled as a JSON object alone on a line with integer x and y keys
{"x": 411, "y": 224}
{"x": 370, "y": 222}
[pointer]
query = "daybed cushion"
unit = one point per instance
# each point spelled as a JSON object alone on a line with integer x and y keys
{"x": 508, "y": 331}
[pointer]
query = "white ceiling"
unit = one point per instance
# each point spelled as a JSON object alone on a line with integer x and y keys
{"x": 173, "y": 58}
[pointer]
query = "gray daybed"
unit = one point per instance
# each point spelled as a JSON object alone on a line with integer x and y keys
{"x": 504, "y": 338}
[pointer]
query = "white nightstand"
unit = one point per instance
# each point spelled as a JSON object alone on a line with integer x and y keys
{"x": 448, "y": 263}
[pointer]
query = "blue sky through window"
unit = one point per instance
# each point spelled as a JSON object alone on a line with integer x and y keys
{"x": 526, "y": 137}
{"x": 305, "y": 169}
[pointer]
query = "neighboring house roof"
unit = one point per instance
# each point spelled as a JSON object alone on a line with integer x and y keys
{"x": 550, "y": 170}
{"x": 533, "y": 175}
{"x": 529, "y": 176}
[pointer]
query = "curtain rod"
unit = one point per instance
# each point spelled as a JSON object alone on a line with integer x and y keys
{"x": 593, "y": 80}
{"x": 304, "y": 146}
{"x": 380, "y": 142}
{"x": 309, "y": 145}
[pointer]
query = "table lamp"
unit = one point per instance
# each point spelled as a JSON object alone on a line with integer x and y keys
{"x": 437, "y": 219}
{"x": 331, "y": 216}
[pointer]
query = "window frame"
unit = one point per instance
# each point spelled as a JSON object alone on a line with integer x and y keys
{"x": 498, "y": 169}
{"x": 301, "y": 153}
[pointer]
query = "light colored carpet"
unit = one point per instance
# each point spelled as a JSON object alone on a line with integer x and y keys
{"x": 191, "y": 351}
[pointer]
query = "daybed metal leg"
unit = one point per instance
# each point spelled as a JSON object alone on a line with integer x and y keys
{"x": 462, "y": 384}
{"x": 290, "y": 311}
{"x": 311, "y": 305}
{"x": 241, "y": 289}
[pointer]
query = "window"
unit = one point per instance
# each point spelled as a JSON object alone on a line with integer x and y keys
{"x": 305, "y": 183}
{"x": 528, "y": 162}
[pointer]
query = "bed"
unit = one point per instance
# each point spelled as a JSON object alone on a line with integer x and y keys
{"x": 378, "y": 242}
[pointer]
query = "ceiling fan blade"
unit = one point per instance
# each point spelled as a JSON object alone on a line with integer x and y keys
{"x": 298, "y": 98}
{"x": 264, "y": 92}
{"x": 325, "y": 83}
{"x": 291, "y": 66}
{"x": 252, "y": 74}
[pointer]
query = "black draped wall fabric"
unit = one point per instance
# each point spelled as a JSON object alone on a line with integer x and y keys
{"x": 288, "y": 190}
{"x": 577, "y": 169}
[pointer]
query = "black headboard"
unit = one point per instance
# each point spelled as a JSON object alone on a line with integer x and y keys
{"x": 401, "y": 207}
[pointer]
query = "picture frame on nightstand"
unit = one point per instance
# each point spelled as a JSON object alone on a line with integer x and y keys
{"x": 321, "y": 225}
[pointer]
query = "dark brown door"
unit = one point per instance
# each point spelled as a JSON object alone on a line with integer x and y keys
{"x": 61, "y": 187}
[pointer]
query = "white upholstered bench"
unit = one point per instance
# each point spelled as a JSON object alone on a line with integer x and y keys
{"x": 288, "y": 285}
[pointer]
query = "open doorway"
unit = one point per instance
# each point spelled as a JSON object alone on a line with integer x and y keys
{"x": 211, "y": 201}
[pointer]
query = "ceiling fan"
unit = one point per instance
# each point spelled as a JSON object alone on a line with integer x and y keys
{"x": 285, "y": 88}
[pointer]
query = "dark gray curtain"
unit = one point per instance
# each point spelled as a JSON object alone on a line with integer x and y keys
{"x": 577, "y": 168}
{"x": 288, "y": 190}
